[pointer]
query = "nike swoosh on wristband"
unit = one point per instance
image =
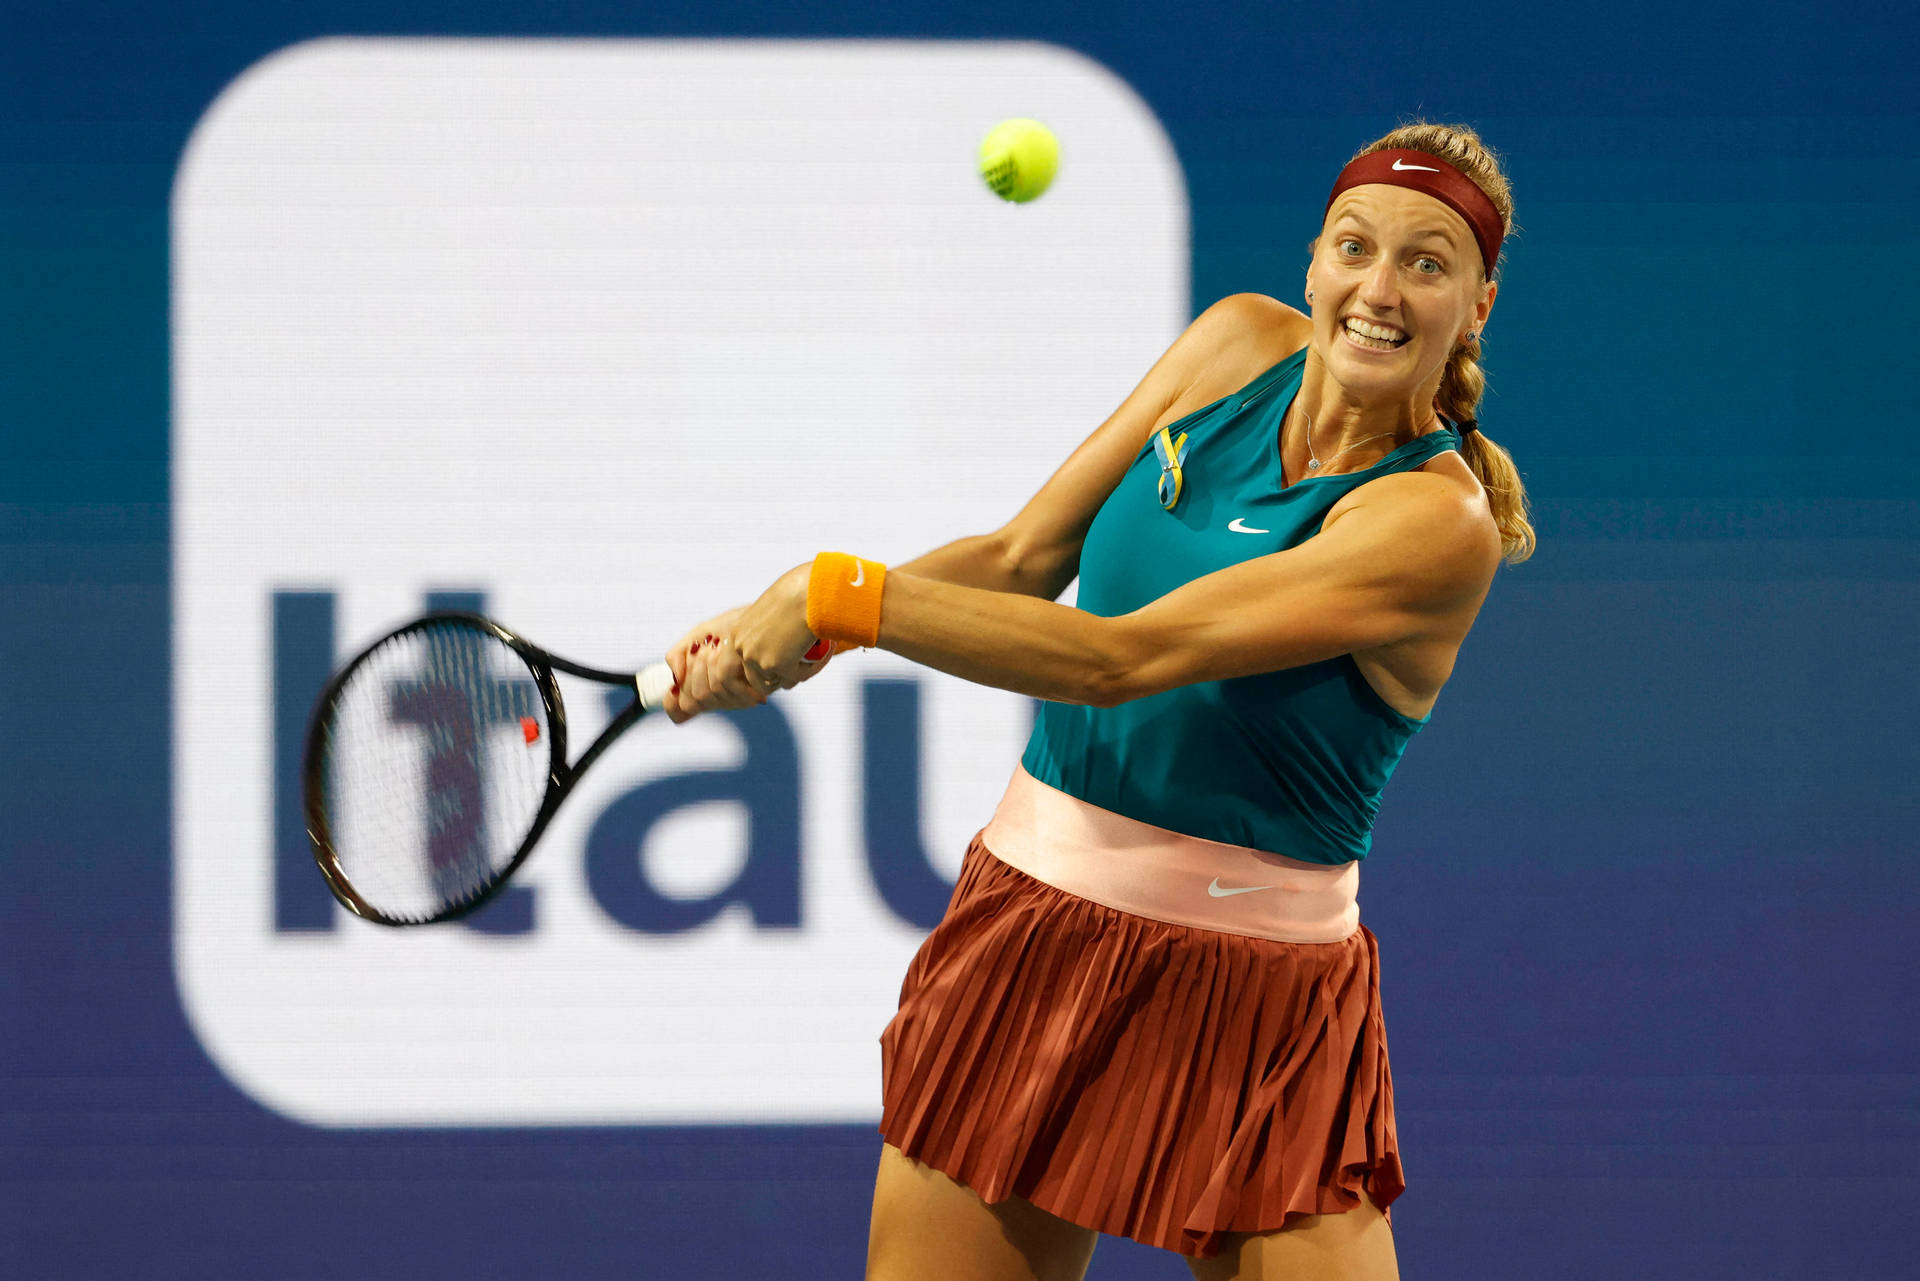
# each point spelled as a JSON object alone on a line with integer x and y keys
{"x": 1214, "y": 890}
{"x": 1403, "y": 166}
{"x": 859, "y": 572}
{"x": 1239, "y": 526}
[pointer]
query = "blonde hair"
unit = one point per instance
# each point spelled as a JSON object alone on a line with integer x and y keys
{"x": 1463, "y": 382}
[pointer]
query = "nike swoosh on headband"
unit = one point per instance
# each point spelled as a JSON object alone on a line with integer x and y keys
{"x": 1239, "y": 526}
{"x": 1432, "y": 175}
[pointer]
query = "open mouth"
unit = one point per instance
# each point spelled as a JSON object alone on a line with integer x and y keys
{"x": 1372, "y": 337}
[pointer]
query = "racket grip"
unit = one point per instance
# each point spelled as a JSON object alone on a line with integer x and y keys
{"x": 652, "y": 685}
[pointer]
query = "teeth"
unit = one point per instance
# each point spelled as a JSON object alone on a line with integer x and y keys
{"x": 1392, "y": 337}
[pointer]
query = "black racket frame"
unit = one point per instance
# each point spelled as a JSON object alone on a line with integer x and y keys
{"x": 542, "y": 665}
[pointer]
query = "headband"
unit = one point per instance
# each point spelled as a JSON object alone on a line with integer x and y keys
{"x": 1424, "y": 172}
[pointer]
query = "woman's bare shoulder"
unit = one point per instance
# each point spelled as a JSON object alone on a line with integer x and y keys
{"x": 1231, "y": 343}
{"x": 1257, "y": 319}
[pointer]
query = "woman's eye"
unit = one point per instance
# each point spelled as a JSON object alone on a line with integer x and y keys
{"x": 1351, "y": 248}
{"x": 1428, "y": 266}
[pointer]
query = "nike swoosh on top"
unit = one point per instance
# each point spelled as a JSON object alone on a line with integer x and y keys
{"x": 1239, "y": 526}
{"x": 859, "y": 572}
{"x": 1214, "y": 890}
{"x": 1403, "y": 165}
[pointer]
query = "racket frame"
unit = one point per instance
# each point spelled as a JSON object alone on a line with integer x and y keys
{"x": 541, "y": 665}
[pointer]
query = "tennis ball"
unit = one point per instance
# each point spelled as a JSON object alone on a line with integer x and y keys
{"x": 1018, "y": 158}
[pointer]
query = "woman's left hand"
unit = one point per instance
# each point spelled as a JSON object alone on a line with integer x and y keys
{"x": 771, "y": 634}
{"x": 759, "y": 653}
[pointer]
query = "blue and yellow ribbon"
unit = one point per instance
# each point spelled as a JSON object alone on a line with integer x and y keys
{"x": 1173, "y": 453}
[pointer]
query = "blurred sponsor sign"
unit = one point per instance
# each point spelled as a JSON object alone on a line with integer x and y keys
{"x": 599, "y": 337}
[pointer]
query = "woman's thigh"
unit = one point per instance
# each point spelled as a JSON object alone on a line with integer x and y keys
{"x": 1355, "y": 1246}
{"x": 926, "y": 1225}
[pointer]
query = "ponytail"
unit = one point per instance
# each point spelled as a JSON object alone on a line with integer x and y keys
{"x": 1461, "y": 385}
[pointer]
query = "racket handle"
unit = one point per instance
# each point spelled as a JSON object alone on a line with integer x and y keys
{"x": 652, "y": 685}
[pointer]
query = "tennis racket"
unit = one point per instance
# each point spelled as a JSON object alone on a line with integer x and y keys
{"x": 437, "y": 757}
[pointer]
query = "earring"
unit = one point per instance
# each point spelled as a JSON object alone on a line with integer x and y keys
{"x": 1309, "y": 295}
{"x": 1472, "y": 334}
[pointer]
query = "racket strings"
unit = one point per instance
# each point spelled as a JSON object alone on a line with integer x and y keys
{"x": 436, "y": 758}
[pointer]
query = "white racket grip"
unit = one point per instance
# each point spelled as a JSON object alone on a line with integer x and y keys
{"x": 653, "y": 684}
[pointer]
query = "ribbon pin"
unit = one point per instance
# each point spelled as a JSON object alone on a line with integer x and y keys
{"x": 1172, "y": 452}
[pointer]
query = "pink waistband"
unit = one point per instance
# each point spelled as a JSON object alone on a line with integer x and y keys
{"x": 1149, "y": 871}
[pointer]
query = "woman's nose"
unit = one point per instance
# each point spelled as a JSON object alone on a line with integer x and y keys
{"x": 1381, "y": 288}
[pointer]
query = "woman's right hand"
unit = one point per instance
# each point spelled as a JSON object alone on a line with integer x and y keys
{"x": 702, "y": 672}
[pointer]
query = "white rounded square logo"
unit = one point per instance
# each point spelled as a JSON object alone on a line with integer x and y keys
{"x": 598, "y": 337}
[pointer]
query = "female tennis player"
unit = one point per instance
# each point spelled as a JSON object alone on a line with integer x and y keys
{"x": 1151, "y": 1009}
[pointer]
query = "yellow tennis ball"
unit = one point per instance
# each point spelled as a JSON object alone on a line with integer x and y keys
{"x": 1018, "y": 159}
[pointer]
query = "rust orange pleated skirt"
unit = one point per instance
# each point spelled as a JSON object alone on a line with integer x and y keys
{"x": 1160, "y": 1082}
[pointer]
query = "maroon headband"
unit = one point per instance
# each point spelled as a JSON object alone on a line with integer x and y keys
{"x": 1425, "y": 172}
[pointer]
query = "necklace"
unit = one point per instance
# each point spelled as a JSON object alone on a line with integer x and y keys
{"x": 1313, "y": 461}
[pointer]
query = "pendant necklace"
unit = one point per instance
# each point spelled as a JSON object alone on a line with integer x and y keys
{"x": 1314, "y": 462}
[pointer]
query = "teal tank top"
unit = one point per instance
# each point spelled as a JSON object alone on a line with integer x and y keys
{"x": 1291, "y": 762}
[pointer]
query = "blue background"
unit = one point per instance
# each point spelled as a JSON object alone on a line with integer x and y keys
{"x": 1645, "y": 888}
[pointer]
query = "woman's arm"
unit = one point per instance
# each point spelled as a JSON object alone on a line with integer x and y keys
{"x": 1412, "y": 559}
{"x": 1037, "y": 553}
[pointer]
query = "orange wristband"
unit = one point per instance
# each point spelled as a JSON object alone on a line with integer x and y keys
{"x": 843, "y": 598}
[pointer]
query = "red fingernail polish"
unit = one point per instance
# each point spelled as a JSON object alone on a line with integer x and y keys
{"x": 694, "y": 648}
